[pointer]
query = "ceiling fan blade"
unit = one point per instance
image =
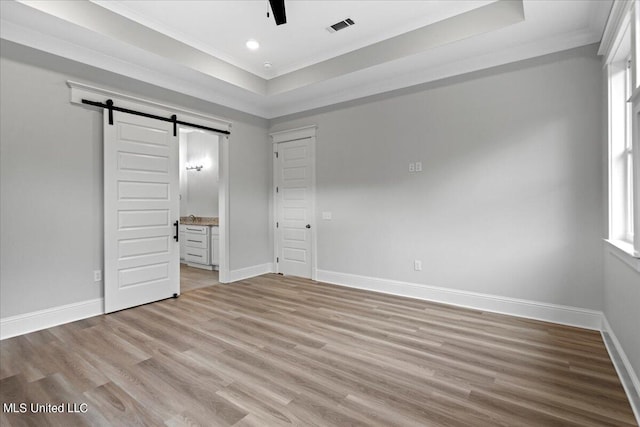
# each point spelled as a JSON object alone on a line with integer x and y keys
{"x": 279, "y": 14}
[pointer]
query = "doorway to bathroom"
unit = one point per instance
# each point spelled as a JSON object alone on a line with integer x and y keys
{"x": 200, "y": 203}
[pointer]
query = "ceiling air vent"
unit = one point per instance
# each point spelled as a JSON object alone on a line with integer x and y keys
{"x": 340, "y": 25}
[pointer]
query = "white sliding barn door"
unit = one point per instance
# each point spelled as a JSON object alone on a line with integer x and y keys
{"x": 141, "y": 205}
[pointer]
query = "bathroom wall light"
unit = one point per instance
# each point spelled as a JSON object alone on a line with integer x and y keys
{"x": 199, "y": 164}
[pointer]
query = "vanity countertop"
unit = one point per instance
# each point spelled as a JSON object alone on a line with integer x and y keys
{"x": 199, "y": 220}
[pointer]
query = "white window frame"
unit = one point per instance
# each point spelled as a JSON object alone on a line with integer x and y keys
{"x": 620, "y": 153}
{"x": 620, "y": 49}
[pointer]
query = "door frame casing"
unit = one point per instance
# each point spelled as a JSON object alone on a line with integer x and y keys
{"x": 306, "y": 132}
{"x": 80, "y": 91}
{"x": 223, "y": 208}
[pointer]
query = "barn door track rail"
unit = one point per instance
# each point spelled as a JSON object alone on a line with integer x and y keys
{"x": 173, "y": 119}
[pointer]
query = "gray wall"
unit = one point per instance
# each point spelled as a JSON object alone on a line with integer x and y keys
{"x": 51, "y": 222}
{"x": 621, "y": 298}
{"x": 509, "y": 202}
{"x": 201, "y": 197}
{"x": 621, "y": 290}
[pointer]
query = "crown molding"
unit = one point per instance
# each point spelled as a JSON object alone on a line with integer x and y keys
{"x": 618, "y": 18}
{"x": 35, "y": 29}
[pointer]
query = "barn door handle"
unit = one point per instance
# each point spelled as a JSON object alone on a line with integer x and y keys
{"x": 176, "y": 224}
{"x": 308, "y": 226}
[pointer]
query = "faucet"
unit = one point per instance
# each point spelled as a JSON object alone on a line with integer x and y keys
{"x": 192, "y": 218}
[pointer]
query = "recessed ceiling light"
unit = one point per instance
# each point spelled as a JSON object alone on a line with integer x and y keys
{"x": 252, "y": 44}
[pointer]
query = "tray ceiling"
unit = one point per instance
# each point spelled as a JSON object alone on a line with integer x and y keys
{"x": 198, "y": 47}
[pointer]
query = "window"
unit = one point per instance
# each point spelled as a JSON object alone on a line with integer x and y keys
{"x": 624, "y": 110}
{"x": 627, "y": 160}
{"x": 620, "y": 152}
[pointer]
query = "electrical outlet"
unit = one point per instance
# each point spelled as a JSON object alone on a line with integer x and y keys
{"x": 97, "y": 275}
{"x": 418, "y": 166}
{"x": 417, "y": 265}
{"x": 326, "y": 216}
{"x": 412, "y": 167}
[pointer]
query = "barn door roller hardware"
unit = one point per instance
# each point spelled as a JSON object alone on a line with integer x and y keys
{"x": 173, "y": 119}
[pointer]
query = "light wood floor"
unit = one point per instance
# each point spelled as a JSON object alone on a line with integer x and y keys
{"x": 274, "y": 351}
{"x": 195, "y": 278}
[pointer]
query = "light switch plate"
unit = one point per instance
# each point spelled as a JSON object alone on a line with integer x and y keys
{"x": 412, "y": 167}
{"x": 418, "y": 166}
{"x": 97, "y": 275}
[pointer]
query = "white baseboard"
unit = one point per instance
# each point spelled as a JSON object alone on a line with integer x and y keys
{"x": 37, "y": 320}
{"x": 201, "y": 266}
{"x": 42, "y": 319}
{"x": 625, "y": 371}
{"x": 248, "y": 272}
{"x": 572, "y": 316}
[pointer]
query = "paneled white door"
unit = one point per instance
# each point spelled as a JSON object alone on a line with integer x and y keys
{"x": 141, "y": 206}
{"x": 294, "y": 207}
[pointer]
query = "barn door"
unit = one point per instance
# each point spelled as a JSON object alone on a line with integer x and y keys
{"x": 141, "y": 210}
